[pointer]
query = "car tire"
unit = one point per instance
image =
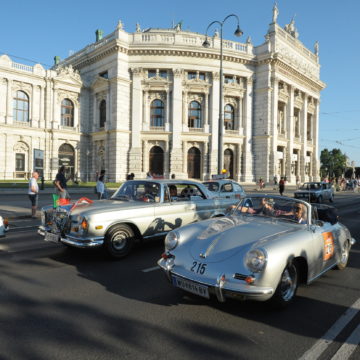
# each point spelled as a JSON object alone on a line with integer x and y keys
{"x": 320, "y": 199}
{"x": 119, "y": 241}
{"x": 344, "y": 257}
{"x": 287, "y": 287}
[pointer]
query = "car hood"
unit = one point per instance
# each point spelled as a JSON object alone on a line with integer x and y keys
{"x": 227, "y": 236}
{"x": 104, "y": 206}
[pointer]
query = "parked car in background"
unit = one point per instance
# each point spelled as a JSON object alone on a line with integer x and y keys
{"x": 138, "y": 210}
{"x": 225, "y": 188}
{"x": 315, "y": 192}
{"x": 4, "y": 226}
{"x": 262, "y": 251}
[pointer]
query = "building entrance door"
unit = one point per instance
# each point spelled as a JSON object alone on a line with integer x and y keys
{"x": 156, "y": 161}
{"x": 67, "y": 159}
{"x": 229, "y": 162}
{"x": 194, "y": 163}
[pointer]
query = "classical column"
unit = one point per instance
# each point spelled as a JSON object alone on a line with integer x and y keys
{"x": 9, "y": 114}
{"x": 273, "y": 129}
{"x": 239, "y": 115}
{"x": 214, "y": 122}
{"x": 315, "y": 159}
{"x": 146, "y": 111}
{"x": 238, "y": 161}
{"x": 177, "y": 160}
{"x": 303, "y": 124}
{"x": 135, "y": 154}
{"x": 167, "y": 108}
{"x": 290, "y": 135}
{"x": 248, "y": 175}
{"x": 206, "y": 112}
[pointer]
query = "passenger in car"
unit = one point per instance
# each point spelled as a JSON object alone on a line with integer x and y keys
{"x": 173, "y": 192}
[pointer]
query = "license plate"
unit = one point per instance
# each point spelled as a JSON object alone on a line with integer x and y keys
{"x": 191, "y": 286}
{"x": 52, "y": 237}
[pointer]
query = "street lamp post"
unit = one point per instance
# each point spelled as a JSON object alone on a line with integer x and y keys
{"x": 206, "y": 44}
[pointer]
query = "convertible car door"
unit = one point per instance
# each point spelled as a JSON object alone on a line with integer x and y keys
{"x": 325, "y": 246}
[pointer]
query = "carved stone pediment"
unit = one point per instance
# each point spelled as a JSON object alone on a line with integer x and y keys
{"x": 63, "y": 94}
{"x": 231, "y": 101}
{"x": 68, "y": 74}
{"x": 311, "y": 105}
{"x": 298, "y": 99}
{"x": 154, "y": 95}
{"x": 99, "y": 82}
{"x": 18, "y": 85}
{"x": 21, "y": 147}
{"x": 195, "y": 97}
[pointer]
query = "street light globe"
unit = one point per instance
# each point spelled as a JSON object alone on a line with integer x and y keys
{"x": 206, "y": 43}
{"x": 238, "y": 32}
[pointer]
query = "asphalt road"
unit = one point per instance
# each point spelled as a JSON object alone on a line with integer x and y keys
{"x": 60, "y": 303}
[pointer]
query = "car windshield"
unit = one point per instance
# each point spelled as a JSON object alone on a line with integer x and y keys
{"x": 310, "y": 186}
{"x": 212, "y": 185}
{"x": 145, "y": 191}
{"x": 272, "y": 207}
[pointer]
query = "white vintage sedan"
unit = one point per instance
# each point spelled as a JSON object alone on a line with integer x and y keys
{"x": 138, "y": 210}
{"x": 225, "y": 188}
{"x": 262, "y": 251}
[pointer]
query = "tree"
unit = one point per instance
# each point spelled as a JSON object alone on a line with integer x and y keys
{"x": 333, "y": 163}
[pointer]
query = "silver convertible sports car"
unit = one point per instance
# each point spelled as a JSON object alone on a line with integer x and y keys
{"x": 138, "y": 210}
{"x": 262, "y": 250}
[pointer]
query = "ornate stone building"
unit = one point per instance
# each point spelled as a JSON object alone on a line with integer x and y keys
{"x": 149, "y": 101}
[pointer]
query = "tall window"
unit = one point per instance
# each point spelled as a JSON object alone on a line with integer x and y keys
{"x": 297, "y": 123}
{"x": 194, "y": 118}
{"x": 19, "y": 162}
{"x": 67, "y": 113}
{"x": 21, "y": 107}
{"x": 281, "y": 118}
{"x": 309, "y": 127}
{"x": 102, "y": 113}
{"x": 229, "y": 117}
{"x": 157, "y": 113}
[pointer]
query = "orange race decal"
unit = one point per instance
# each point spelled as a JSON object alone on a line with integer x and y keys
{"x": 328, "y": 245}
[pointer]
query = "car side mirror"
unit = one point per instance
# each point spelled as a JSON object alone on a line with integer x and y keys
{"x": 319, "y": 223}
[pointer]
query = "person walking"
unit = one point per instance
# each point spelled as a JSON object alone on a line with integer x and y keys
{"x": 60, "y": 184}
{"x": 100, "y": 186}
{"x": 281, "y": 186}
{"x": 33, "y": 193}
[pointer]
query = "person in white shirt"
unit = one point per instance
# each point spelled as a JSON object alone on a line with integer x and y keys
{"x": 33, "y": 193}
{"x": 100, "y": 186}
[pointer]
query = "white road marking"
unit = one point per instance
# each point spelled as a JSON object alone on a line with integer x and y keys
{"x": 349, "y": 346}
{"x": 151, "y": 269}
{"x": 321, "y": 345}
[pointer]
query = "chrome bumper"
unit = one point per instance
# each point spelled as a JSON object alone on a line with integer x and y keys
{"x": 89, "y": 242}
{"x": 223, "y": 289}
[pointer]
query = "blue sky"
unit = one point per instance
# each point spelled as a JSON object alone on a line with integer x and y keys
{"x": 38, "y": 30}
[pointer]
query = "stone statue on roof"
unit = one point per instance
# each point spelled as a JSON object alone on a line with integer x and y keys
{"x": 275, "y": 13}
{"x": 316, "y": 48}
{"x": 120, "y": 25}
{"x": 138, "y": 29}
{"x": 291, "y": 29}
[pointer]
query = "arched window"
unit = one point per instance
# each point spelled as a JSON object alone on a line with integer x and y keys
{"x": 194, "y": 117}
{"x": 157, "y": 113}
{"x": 102, "y": 113}
{"x": 21, "y": 107}
{"x": 194, "y": 163}
{"x": 229, "y": 117}
{"x": 67, "y": 113}
{"x": 156, "y": 160}
{"x": 67, "y": 158}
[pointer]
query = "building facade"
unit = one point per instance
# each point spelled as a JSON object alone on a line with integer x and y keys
{"x": 149, "y": 101}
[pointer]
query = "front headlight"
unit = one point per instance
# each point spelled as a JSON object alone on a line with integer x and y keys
{"x": 256, "y": 260}
{"x": 83, "y": 225}
{"x": 171, "y": 240}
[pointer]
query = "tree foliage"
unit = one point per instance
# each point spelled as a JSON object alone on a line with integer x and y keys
{"x": 333, "y": 162}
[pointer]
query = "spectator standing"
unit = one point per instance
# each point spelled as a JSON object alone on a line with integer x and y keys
{"x": 33, "y": 193}
{"x": 281, "y": 186}
{"x": 148, "y": 175}
{"x": 60, "y": 184}
{"x": 100, "y": 186}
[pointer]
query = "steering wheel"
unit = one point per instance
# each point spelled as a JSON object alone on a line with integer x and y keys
{"x": 149, "y": 198}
